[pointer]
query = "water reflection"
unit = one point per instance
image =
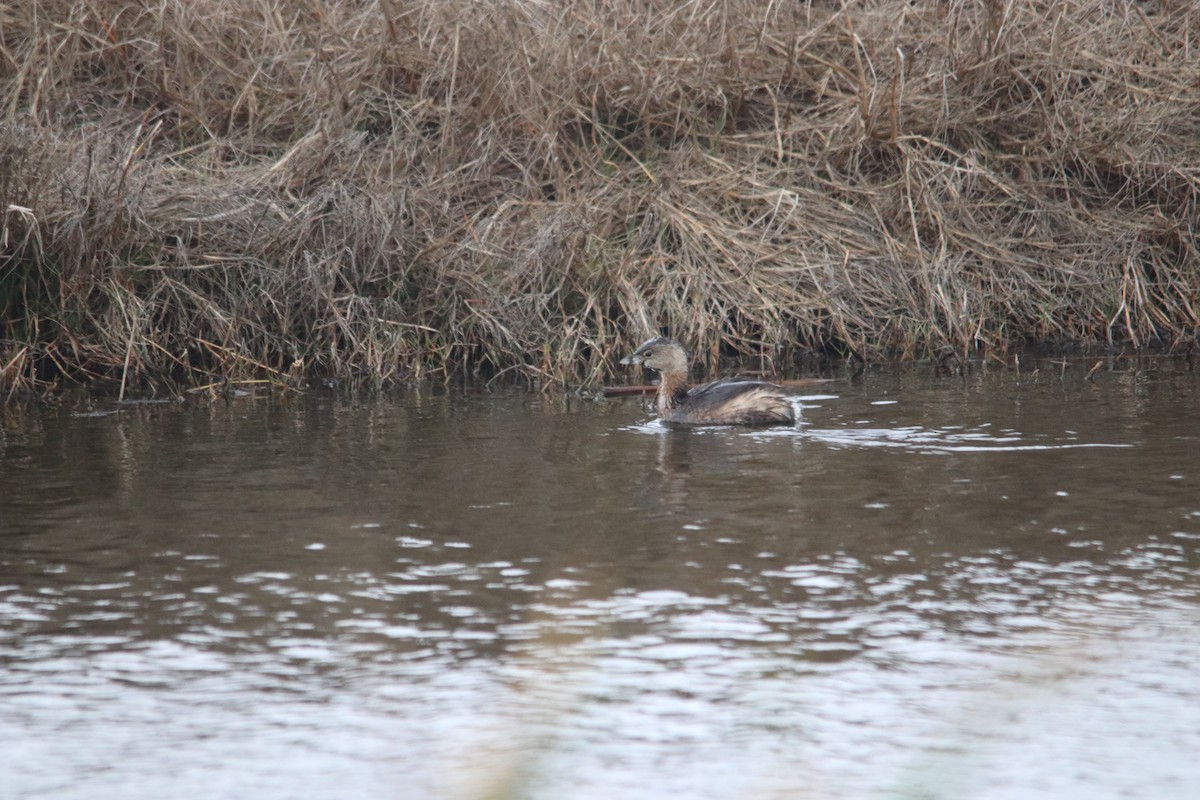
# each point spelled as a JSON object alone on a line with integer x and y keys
{"x": 983, "y": 587}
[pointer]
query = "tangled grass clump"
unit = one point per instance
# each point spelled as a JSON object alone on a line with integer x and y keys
{"x": 378, "y": 190}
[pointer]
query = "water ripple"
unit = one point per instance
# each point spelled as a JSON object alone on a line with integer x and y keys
{"x": 932, "y": 440}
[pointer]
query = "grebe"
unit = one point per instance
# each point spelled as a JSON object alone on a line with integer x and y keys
{"x": 728, "y": 401}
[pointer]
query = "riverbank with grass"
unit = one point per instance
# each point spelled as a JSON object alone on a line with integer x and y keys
{"x": 219, "y": 190}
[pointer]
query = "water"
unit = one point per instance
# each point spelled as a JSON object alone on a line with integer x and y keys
{"x": 935, "y": 587}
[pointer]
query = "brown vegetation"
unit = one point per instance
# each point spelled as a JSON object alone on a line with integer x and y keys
{"x": 216, "y": 189}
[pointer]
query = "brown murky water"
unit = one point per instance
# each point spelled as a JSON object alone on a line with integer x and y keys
{"x": 933, "y": 588}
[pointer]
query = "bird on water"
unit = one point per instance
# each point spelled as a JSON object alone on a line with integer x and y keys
{"x": 728, "y": 401}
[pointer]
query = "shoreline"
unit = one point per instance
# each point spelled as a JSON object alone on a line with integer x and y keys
{"x": 210, "y": 191}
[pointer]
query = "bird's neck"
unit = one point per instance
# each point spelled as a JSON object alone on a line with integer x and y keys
{"x": 672, "y": 390}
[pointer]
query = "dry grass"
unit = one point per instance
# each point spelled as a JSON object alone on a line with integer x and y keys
{"x": 223, "y": 189}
